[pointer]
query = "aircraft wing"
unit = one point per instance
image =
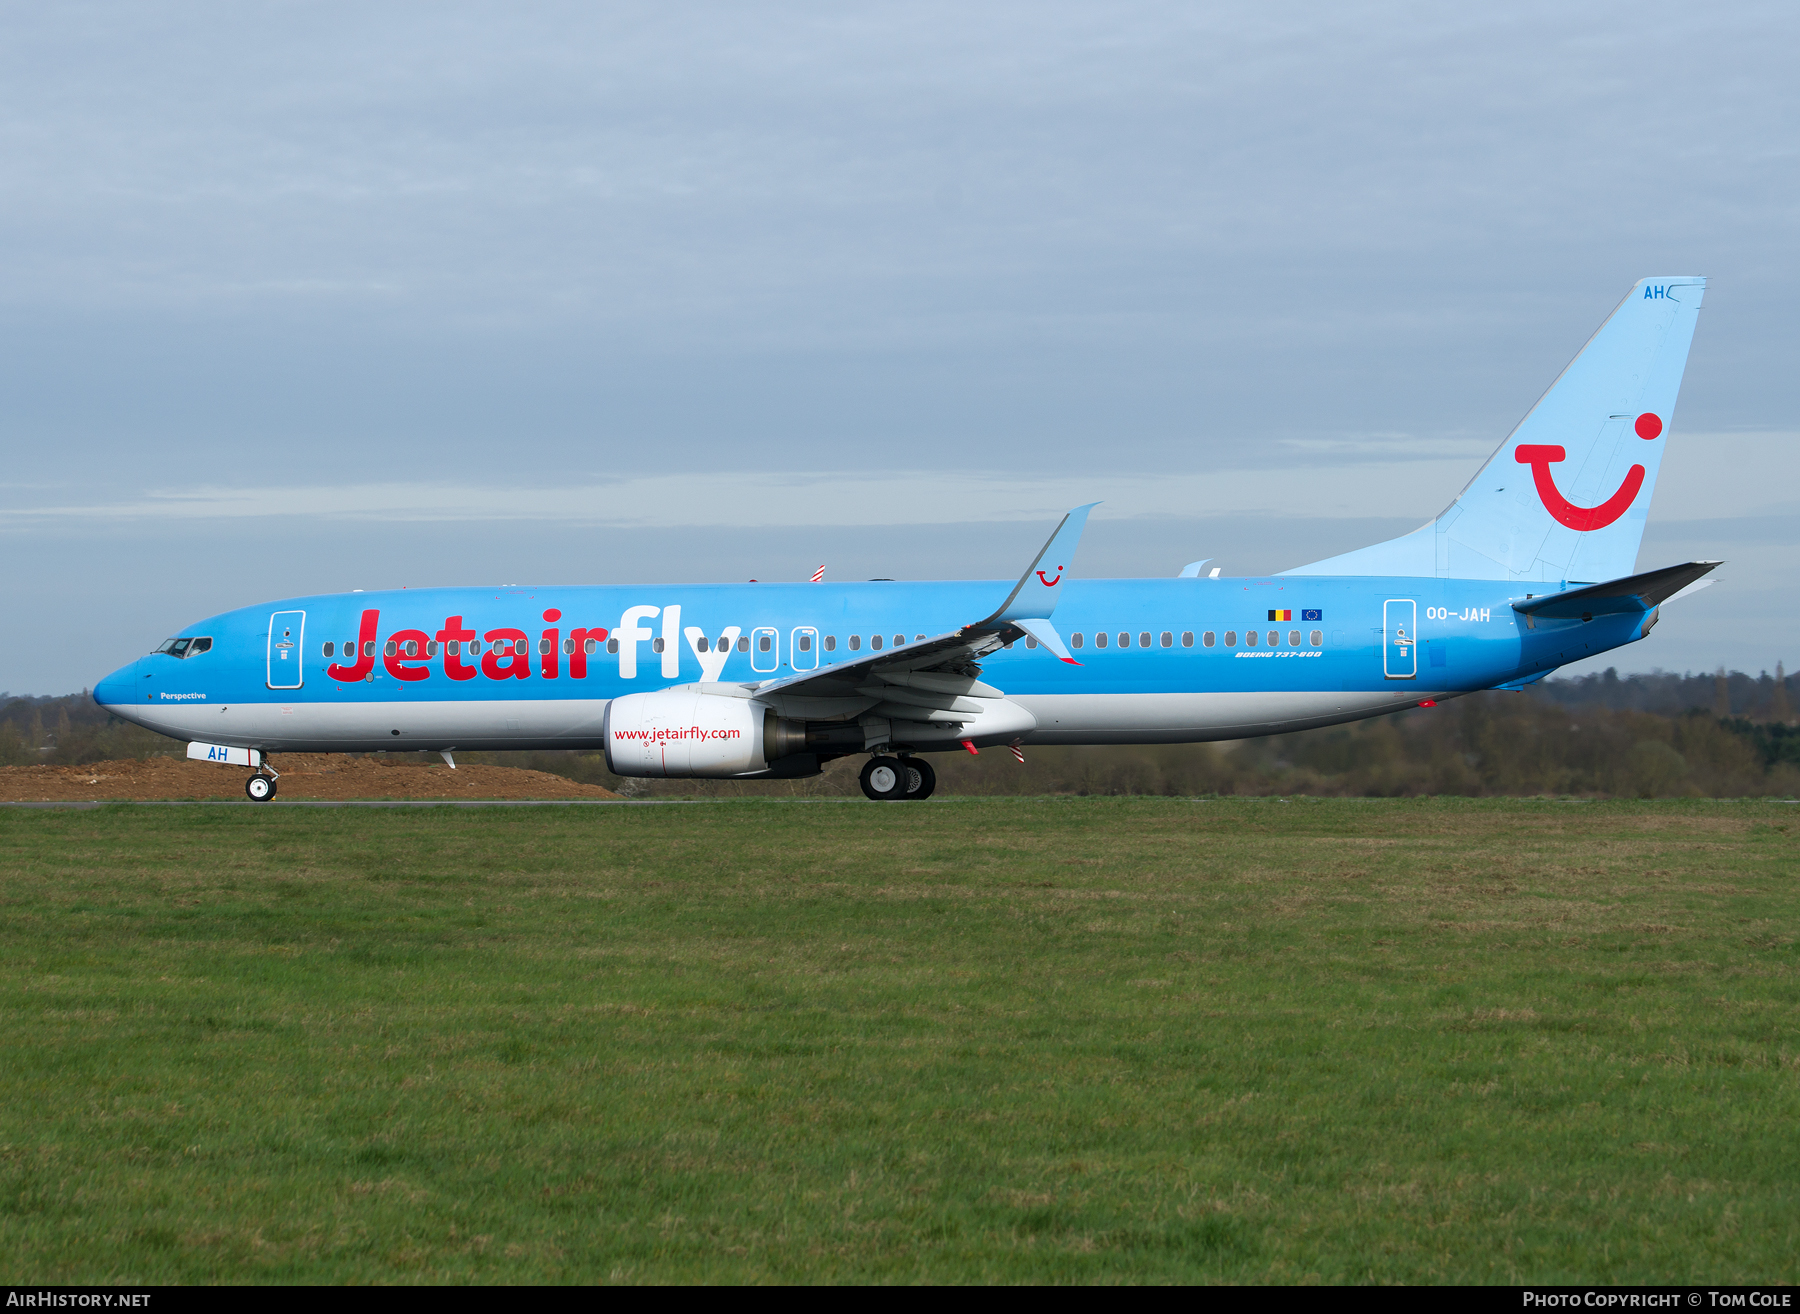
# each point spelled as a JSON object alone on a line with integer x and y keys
{"x": 933, "y": 684}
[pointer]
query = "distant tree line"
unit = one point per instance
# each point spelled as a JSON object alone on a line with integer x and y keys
{"x": 1659, "y": 735}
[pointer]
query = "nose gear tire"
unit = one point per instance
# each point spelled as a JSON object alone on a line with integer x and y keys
{"x": 260, "y": 788}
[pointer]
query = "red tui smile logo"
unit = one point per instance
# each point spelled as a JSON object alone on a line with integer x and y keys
{"x": 1584, "y": 518}
{"x": 1051, "y": 583}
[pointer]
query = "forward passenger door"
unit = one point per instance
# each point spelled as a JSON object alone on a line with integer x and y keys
{"x": 287, "y": 639}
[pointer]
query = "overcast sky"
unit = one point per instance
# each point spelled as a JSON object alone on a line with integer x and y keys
{"x": 304, "y": 297}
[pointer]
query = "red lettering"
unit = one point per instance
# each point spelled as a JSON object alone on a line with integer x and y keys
{"x": 499, "y": 662}
{"x": 453, "y": 632}
{"x": 548, "y": 658}
{"x": 578, "y": 658}
{"x": 365, "y": 651}
{"x": 397, "y": 665}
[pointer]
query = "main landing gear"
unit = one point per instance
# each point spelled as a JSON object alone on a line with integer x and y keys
{"x": 897, "y": 779}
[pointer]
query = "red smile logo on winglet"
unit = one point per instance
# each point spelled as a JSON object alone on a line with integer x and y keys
{"x": 1584, "y": 518}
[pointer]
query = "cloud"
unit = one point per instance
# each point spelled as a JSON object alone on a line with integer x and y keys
{"x": 1380, "y": 476}
{"x": 714, "y": 500}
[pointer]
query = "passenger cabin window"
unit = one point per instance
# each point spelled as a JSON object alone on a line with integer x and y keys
{"x": 1124, "y": 640}
{"x": 369, "y": 648}
{"x": 592, "y": 646}
{"x": 1101, "y": 639}
{"x": 1231, "y": 638}
{"x": 1318, "y": 638}
{"x": 875, "y": 642}
{"x": 1168, "y": 640}
{"x": 1144, "y": 640}
{"x": 1274, "y": 638}
{"x": 831, "y": 643}
{"x": 856, "y": 643}
{"x": 1249, "y": 638}
{"x": 900, "y": 639}
{"x": 1075, "y": 640}
{"x": 762, "y": 643}
{"x": 1032, "y": 643}
{"x": 330, "y": 650}
{"x": 1293, "y": 638}
{"x": 391, "y": 650}
{"x": 543, "y": 647}
{"x": 806, "y": 643}
{"x": 1206, "y": 639}
{"x": 612, "y": 645}
{"x": 743, "y": 645}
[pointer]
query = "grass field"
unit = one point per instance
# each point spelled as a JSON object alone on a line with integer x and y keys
{"x": 1068, "y": 1040}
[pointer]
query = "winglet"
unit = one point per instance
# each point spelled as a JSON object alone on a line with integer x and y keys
{"x": 1035, "y": 594}
{"x": 1192, "y": 569}
{"x": 1045, "y": 633}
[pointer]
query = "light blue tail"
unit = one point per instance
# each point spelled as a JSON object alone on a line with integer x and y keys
{"x": 1566, "y": 495}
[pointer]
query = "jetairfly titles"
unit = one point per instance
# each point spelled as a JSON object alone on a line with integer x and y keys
{"x": 1532, "y": 566}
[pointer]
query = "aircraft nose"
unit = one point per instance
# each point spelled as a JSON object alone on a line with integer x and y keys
{"x": 118, "y": 688}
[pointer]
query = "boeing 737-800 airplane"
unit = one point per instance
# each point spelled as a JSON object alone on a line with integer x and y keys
{"x": 1529, "y": 567}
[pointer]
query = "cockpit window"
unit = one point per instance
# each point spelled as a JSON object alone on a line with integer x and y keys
{"x": 186, "y": 646}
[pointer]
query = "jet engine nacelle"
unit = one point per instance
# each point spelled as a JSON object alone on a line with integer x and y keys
{"x": 681, "y": 732}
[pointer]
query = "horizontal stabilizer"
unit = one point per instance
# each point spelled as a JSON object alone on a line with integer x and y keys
{"x": 1634, "y": 593}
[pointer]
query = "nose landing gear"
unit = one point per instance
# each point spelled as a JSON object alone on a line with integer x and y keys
{"x": 893, "y": 779}
{"x": 261, "y": 786}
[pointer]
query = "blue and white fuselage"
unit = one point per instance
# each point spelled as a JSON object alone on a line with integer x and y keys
{"x": 1528, "y": 569}
{"x": 1184, "y": 659}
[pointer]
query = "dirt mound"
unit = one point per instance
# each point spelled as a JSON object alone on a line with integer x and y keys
{"x": 303, "y": 775}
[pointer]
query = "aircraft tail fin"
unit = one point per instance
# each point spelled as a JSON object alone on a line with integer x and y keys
{"x": 1566, "y": 495}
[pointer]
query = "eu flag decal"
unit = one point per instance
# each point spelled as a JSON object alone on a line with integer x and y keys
{"x": 1312, "y": 613}
{"x": 1281, "y": 615}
